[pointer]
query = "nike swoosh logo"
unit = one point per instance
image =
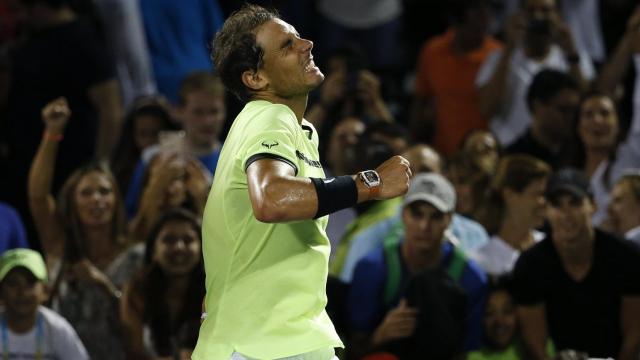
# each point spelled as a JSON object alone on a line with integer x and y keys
{"x": 328, "y": 181}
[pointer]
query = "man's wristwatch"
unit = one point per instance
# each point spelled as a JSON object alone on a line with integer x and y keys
{"x": 371, "y": 180}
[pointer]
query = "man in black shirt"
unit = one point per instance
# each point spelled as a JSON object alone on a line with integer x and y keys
{"x": 580, "y": 286}
{"x": 552, "y": 99}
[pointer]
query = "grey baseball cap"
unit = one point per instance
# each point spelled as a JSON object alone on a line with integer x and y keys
{"x": 433, "y": 188}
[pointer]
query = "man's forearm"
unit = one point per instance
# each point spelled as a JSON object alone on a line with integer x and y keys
{"x": 492, "y": 93}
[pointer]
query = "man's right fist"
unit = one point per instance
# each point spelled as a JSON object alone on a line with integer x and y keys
{"x": 395, "y": 175}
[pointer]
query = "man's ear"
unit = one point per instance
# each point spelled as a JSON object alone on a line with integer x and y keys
{"x": 254, "y": 80}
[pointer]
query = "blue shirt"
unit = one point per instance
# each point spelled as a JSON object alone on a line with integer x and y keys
{"x": 132, "y": 199}
{"x": 12, "y": 233}
{"x": 179, "y": 35}
{"x": 366, "y": 308}
{"x": 470, "y": 234}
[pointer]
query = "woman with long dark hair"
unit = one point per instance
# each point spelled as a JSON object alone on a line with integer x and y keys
{"x": 160, "y": 310}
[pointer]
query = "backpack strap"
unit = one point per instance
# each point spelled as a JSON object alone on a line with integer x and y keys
{"x": 392, "y": 259}
{"x": 457, "y": 263}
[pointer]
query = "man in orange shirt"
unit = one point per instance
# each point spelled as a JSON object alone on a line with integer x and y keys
{"x": 445, "y": 97}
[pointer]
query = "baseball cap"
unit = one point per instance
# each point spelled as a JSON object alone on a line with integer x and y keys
{"x": 27, "y": 258}
{"x": 433, "y": 188}
{"x": 568, "y": 180}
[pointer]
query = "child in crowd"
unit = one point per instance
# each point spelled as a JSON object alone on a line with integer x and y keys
{"x": 29, "y": 330}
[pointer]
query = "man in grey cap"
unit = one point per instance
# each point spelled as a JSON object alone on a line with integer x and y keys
{"x": 378, "y": 312}
{"x": 579, "y": 286}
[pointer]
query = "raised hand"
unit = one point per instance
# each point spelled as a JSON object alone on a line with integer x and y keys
{"x": 398, "y": 323}
{"x": 56, "y": 115}
{"x": 395, "y": 174}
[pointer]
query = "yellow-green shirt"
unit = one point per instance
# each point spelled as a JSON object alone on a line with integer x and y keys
{"x": 265, "y": 282}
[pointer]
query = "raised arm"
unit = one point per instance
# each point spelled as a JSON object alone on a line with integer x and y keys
{"x": 616, "y": 68}
{"x": 131, "y": 318}
{"x": 492, "y": 93}
{"x": 105, "y": 96}
{"x": 41, "y": 201}
{"x": 277, "y": 195}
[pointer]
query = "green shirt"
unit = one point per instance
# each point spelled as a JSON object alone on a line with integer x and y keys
{"x": 513, "y": 352}
{"x": 265, "y": 282}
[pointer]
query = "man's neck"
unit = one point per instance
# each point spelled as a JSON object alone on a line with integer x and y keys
{"x": 546, "y": 141}
{"x": 577, "y": 261}
{"x": 21, "y": 324}
{"x": 537, "y": 51}
{"x": 593, "y": 158}
{"x": 297, "y": 104}
{"x": 417, "y": 262}
{"x": 463, "y": 43}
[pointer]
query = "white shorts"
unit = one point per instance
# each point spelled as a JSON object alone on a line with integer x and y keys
{"x": 322, "y": 354}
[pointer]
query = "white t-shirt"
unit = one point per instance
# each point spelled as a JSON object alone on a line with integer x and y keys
{"x": 497, "y": 257}
{"x": 360, "y": 14}
{"x": 59, "y": 340}
{"x": 514, "y": 118}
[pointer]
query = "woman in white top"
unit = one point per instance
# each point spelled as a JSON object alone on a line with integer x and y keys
{"x": 514, "y": 207}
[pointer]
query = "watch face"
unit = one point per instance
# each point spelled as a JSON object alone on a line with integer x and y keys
{"x": 371, "y": 178}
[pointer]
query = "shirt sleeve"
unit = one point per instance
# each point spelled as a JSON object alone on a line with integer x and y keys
{"x": 365, "y": 295}
{"x": 274, "y": 139}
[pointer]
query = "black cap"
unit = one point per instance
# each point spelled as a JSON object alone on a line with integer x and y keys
{"x": 568, "y": 181}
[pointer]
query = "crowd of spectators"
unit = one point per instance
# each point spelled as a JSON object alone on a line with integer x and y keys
{"x": 518, "y": 238}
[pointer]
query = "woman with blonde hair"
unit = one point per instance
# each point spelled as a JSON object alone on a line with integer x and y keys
{"x": 83, "y": 240}
{"x": 513, "y": 208}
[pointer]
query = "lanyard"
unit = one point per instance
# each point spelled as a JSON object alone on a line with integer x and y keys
{"x": 39, "y": 338}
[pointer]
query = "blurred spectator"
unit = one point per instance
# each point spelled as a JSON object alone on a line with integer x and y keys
{"x": 394, "y": 135}
{"x": 201, "y": 110}
{"x": 578, "y": 286}
{"x": 367, "y": 155}
{"x": 466, "y": 233}
{"x": 483, "y": 149}
{"x": 144, "y": 122}
{"x": 124, "y": 30}
{"x": 342, "y": 141}
{"x": 349, "y": 89}
{"x": 83, "y": 240}
{"x": 62, "y": 55}
{"x": 29, "y": 330}
{"x": 164, "y": 299}
{"x": 602, "y": 151}
{"x": 380, "y": 278}
{"x": 501, "y": 340}
{"x": 618, "y": 64}
{"x": 172, "y": 180}
{"x": 179, "y": 34}
{"x": 624, "y": 207}
{"x": 375, "y": 24}
{"x": 445, "y": 97}
{"x": 470, "y": 180}
{"x": 552, "y": 98}
{"x": 537, "y": 38}
{"x": 583, "y": 19}
{"x": 514, "y": 207}
{"x": 12, "y": 233}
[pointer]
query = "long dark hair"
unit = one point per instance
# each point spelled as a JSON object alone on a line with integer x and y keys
{"x": 127, "y": 154}
{"x": 151, "y": 284}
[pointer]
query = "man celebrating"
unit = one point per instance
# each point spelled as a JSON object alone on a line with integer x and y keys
{"x": 264, "y": 244}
